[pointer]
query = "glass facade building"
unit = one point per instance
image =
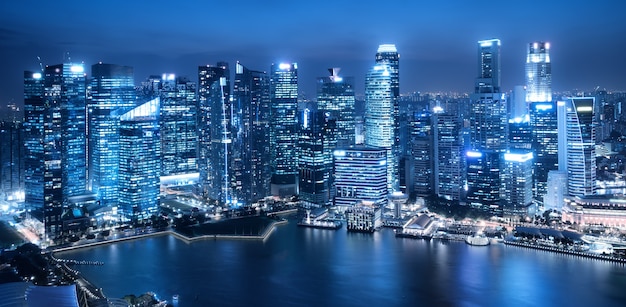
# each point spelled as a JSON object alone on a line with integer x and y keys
{"x": 140, "y": 161}
{"x": 283, "y": 128}
{"x": 34, "y": 114}
{"x": 335, "y": 95}
{"x": 518, "y": 173}
{"x": 544, "y": 127}
{"x": 360, "y": 175}
{"x": 449, "y": 171}
{"x": 422, "y": 153}
{"x": 112, "y": 93}
{"x": 581, "y": 141}
{"x": 379, "y": 118}
{"x": 318, "y": 139}
{"x": 538, "y": 73}
{"x": 11, "y": 157}
{"x": 251, "y": 135}
{"x": 214, "y": 144}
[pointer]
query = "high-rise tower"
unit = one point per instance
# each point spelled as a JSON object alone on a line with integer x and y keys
{"x": 538, "y": 73}
{"x": 488, "y": 123}
{"x": 112, "y": 94}
{"x": 581, "y": 154}
{"x": 214, "y": 131}
{"x": 335, "y": 96}
{"x": 251, "y": 135}
{"x": 283, "y": 128}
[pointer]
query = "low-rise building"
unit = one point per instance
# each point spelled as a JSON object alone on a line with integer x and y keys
{"x": 364, "y": 216}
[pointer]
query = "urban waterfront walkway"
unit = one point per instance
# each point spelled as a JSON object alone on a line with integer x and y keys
{"x": 566, "y": 251}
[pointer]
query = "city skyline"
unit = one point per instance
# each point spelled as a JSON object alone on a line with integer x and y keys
{"x": 434, "y": 40}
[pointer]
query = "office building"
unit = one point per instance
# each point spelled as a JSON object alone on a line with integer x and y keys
{"x": 251, "y": 135}
{"x": 364, "y": 217}
{"x": 317, "y": 141}
{"x": 422, "y": 153}
{"x": 12, "y": 159}
{"x": 214, "y": 141}
{"x": 538, "y": 73}
{"x": 140, "y": 165}
{"x": 518, "y": 183}
{"x": 360, "y": 175}
{"x": 112, "y": 94}
{"x": 556, "y": 190}
{"x": 544, "y": 127}
{"x": 283, "y": 129}
{"x": 581, "y": 139}
{"x": 335, "y": 95}
{"x": 488, "y": 131}
{"x": 520, "y": 133}
{"x": 449, "y": 170}
{"x": 34, "y": 114}
{"x": 379, "y": 118}
{"x": 178, "y": 123}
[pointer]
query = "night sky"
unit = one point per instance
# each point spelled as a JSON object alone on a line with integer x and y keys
{"x": 436, "y": 39}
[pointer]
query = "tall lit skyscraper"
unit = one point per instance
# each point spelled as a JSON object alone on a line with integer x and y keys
{"x": 56, "y": 140}
{"x": 488, "y": 123}
{"x": 283, "y": 128}
{"x": 11, "y": 157}
{"x": 449, "y": 171}
{"x": 34, "y": 115}
{"x": 178, "y": 121}
{"x": 112, "y": 94}
{"x": 581, "y": 141}
{"x": 422, "y": 152}
{"x": 251, "y": 135}
{"x": 379, "y": 119}
{"x": 140, "y": 165}
{"x": 335, "y": 95}
{"x": 518, "y": 173}
{"x": 318, "y": 133}
{"x": 387, "y": 59}
{"x": 214, "y": 131}
{"x": 543, "y": 123}
{"x": 538, "y": 73}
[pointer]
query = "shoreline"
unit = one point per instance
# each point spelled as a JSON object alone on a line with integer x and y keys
{"x": 269, "y": 229}
{"x": 566, "y": 252}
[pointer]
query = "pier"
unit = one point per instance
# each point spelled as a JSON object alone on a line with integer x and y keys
{"x": 566, "y": 251}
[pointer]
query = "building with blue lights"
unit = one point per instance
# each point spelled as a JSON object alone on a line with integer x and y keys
{"x": 544, "y": 127}
{"x": 488, "y": 130}
{"x": 518, "y": 183}
{"x": 34, "y": 112}
{"x": 379, "y": 118}
{"x": 112, "y": 93}
{"x": 11, "y": 157}
{"x": 317, "y": 141}
{"x": 538, "y": 73}
{"x": 449, "y": 158}
{"x": 251, "y": 135}
{"x": 360, "y": 175}
{"x": 335, "y": 96}
{"x": 422, "y": 153}
{"x": 284, "y": 128}
{"x": 139, "y": 161}
{"x": 214, "y": 143}
{"x": 581, "y": 140}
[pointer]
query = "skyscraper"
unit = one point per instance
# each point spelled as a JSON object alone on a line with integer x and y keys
{"x": 34, "y": 114}
{"x": 251, "y": 135}
{"x": 11, "y": 157}
{"x": 214, "y": 132}
{"x": 379, "y": 119}
{"x": 283, "y": 128}
{"x": 518, "y": 173}
{"x": 581, "y": 140}
{"x": 543, "y": 123}
{"x": 177, "y": 122}
{"x": 387, "y": 55}
{"x": 317, "y": 141}
{"x": 140, "y": 155}
{"x": 56, "y": 140}
{"x": 538, "y": 73}
{"x": 422, "y": 152}
{"x": 335, "y": 95}
{"x": 488, "y": 123}
{"x": 112, "y": 94}
{"x": 449, "y": 171}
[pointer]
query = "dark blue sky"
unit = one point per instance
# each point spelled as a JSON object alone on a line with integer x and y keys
{"x": 436, "y": 39}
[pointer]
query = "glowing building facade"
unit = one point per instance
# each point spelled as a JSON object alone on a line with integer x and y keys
{"x": 544, "y": 127}
{"x": 518, "y": 183}
{"x": 251, "y": 135}
{"x": 538, "y": 73}
{"x": 487, "y": 133}
{"x": 284, "y": 128}
{"x": 449, "y": 170}
{"x": 214, "y": 143}
{"x": 422, "y": 153}
{"x": 112, "y": 94}
{"x": 140, "y": 161}
{"x": 34, "y": 114}
{"x": 581, "y": 139}
{"x": 335, "y": 96}
{"x": 360, "y": 175}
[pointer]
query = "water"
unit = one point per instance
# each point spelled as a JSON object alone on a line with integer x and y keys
{"x": 314, "y": 267}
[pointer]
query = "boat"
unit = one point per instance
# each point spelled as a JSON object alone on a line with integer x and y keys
{"x": 601, "y": 248}
{"x": 477, "y": 240}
